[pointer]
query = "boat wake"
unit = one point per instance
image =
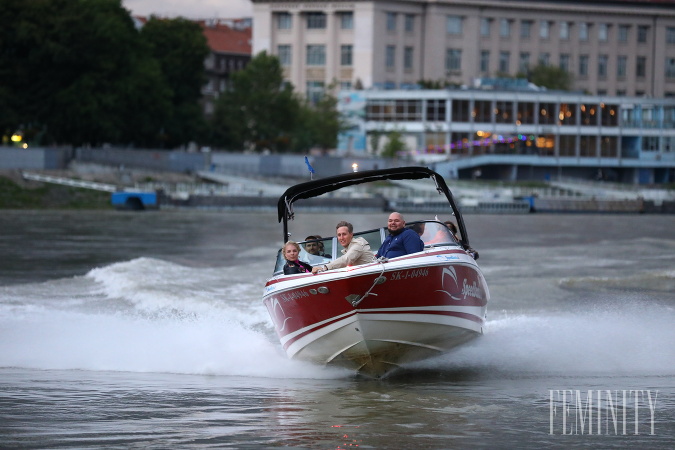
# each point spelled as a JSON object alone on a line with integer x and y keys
{"x": 149, "y": 315}
{"x": 146, "y": 315}
{"x": 603, "y": 341}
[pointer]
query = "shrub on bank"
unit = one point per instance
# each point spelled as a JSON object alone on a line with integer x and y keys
{"x": 14, "y": 196}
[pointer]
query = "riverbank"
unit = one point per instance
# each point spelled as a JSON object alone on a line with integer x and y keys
{"x": 15, "y": 194}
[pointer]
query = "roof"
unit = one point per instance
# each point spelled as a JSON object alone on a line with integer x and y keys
{"x": 223, "y": 38}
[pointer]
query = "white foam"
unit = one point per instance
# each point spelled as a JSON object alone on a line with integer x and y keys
{"x": 67, "y": 340}
{"x": 627, "y": 339}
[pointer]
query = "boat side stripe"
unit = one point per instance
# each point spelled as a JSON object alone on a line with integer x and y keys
{"x": 305, "y": 330}
{"x": 287, "y": 340}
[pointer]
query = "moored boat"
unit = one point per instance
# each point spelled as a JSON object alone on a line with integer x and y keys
{"x": 374, "y": 317}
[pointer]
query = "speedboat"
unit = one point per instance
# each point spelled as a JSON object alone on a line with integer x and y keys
{"x": 372, "y": 318}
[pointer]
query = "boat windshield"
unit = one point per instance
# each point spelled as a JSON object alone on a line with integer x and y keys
{"x": 433, "y": 233}
{"x": 324, "y": 248}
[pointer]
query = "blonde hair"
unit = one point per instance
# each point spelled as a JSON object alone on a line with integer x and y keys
{"x": 293, "y": 243}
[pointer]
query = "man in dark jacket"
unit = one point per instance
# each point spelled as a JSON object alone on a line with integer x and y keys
{"x": 401, "y": 240}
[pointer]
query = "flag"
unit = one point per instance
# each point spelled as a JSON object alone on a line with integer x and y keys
{"x": 309, "y": 166}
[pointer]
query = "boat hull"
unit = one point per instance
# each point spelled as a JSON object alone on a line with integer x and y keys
{"x": 375, "y": 317}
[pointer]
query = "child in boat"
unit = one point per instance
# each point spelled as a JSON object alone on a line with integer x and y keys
{"x": 293, "y": 264}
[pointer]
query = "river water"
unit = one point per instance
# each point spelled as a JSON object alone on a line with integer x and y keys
{"x": 146, "y": 330}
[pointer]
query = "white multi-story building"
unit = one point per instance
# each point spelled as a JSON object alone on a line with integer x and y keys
{"x": 617, "y": 48}
{"x": 516, "y": 133}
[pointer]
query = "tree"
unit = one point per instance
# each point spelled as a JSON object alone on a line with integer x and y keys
{"x": 180, "y": 48}
{"x": 259, "y": 111}
{"x": 394, "y": 145}
{"x": 77, "y": 72}
{"x": 325, "y": 121}
{"x": 551, "y": 77}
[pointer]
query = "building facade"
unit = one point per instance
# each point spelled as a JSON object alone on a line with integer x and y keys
{"x": 518, "y": 133}
{"x": 230, "y": 43}
{"x": 615, "y": 48}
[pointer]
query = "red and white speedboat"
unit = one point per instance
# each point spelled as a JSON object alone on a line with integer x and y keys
{"x": 374, "y": 317}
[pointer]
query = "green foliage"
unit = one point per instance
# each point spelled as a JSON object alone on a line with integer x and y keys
{"x": 13, "y": 196}
{"x": 551, "y": 77}
{"x": 324, "y": 122}
{"x": 394, "y": 145}
{"x": 180, "y": 48}
{"x": 78, "y": 72}
{"x": 260, "y": 111}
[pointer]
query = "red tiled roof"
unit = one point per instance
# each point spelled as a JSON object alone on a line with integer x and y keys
{"x": 222, "y": 38}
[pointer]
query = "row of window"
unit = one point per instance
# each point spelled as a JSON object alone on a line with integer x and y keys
{"x": 517, "y": 113}
{"x": 544, "y": 145}
{"x": 584, "y": 30}
{"x": 315, "y": 20}
{"x": 455, "y": 26}
{"x": 315, "y": 55}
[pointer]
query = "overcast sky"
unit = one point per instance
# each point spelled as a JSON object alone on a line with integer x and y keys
{"x": 192, "y": 9}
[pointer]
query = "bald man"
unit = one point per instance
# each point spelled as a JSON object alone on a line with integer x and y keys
{"x": 401, "y": 240}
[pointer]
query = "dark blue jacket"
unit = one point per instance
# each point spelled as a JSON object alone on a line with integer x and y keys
{"x": 401, "y": 244}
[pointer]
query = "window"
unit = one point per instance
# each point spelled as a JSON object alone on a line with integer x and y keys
{"x": 394, "y": 110}
{"x": 347, "y": 20}
{"x": 567, "y": 114}
{"x": 643, "y": 31}
{"x": 284, "y": 53}
{"x": 524, "y": 62}
{"x": 544, "y": 59}
{"x": 505, "y": 28}
{"x": 525, "y": 28}
{"x": 436, "y": 110}
{"x": 284, "y": 21}
{"x": 548, "y": 113}
{"x": 583, "y": 31}
{"x": 623, "y": 33}
{"x": 525, "y": 113}
{"x": 588, "y": 114}
{"x": 485, "y": 61}
{"x": 503, "y": 112}
{"x": 454, "y": 24}
{"x": 390, "y": 56}
{"x": 641, "y": 67}
{"x": 650, "y": 143}
{"x": 603, "y": 32}
{"x": 409, "y": 23}
{"x": 316, "y": 55}
{"x": 583, "y": 65}
{"x": 408, "y": 58}
{"x": 391, "y": 21}
{"x": 670, "y": 67}
{"x": 485, "y": 25}
{"x": 610, "y": 115}
{"x": 345, "y": 55}
{"x": 544, "y": 29}
{"x": 453, "y": 59}
{"x": 314, "y": 91}
{"x": 621, "y": 66}
{"x": 316, "y": 20}
{"x": 504, "y": 61}
{"x": 670, "y": 35}
{"x": 602, "y": 66}
{"x": 564, "y": 30}
{"x": 482, "y": 111}
{"x": 565, "y": 62}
